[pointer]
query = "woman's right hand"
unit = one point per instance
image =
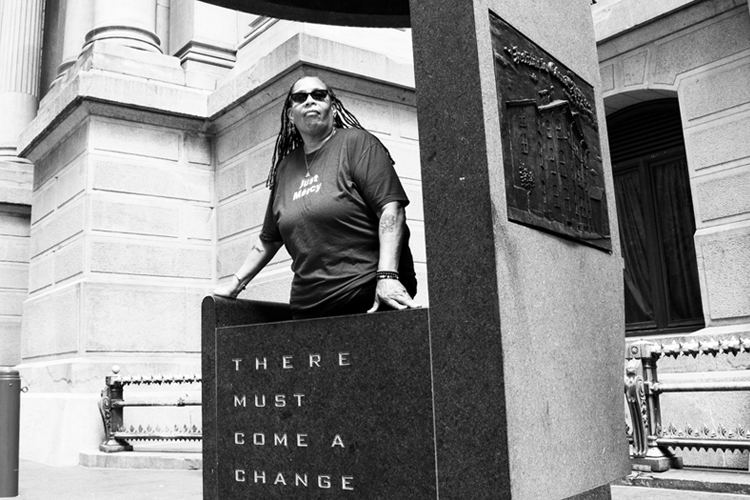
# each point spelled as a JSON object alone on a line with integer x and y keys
{"x": 231, "y": 288}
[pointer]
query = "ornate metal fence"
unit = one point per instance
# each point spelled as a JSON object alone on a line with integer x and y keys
{"x": 650, "y": 441}
{"x": 117, "y": 436}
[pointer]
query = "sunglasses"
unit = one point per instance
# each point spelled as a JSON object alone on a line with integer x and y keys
{"x": 300, "y": 97}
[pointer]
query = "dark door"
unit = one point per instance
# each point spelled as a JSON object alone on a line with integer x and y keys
{"x": 655, "y": 215}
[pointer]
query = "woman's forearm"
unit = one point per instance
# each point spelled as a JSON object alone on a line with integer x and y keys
{"x": 390, "y": 234}
{"x": 260, "y": 255}
{"x": 389, "y": 290}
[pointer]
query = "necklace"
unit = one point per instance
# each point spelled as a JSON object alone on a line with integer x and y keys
{"x": 304, "y": 155}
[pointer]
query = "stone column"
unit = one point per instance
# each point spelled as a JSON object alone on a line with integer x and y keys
{"x": 79, "y": 18}
{"x": 131, "y": 24}
{"x": 20, "y": 54}
{"x": 526, "y": 326}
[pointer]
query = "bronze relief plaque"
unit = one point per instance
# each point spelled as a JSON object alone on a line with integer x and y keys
{"x": 550, "y": 136}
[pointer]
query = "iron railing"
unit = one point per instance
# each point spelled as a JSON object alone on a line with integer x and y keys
{"x": 117, "y": 436}
{"x": 649, "y": 439}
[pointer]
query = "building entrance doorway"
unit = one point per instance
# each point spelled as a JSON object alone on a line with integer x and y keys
{"x": 655, "y": 214}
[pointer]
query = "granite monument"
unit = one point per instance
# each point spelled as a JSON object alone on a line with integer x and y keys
{"x": 510, "y": 384}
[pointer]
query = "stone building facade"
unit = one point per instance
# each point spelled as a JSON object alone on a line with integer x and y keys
{"x": 150, "y": 133}
{"x": 133, "y": 164}
{"x": 691, "y": 59}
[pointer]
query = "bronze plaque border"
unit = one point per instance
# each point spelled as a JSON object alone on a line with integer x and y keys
{"x": 550, "y": 137}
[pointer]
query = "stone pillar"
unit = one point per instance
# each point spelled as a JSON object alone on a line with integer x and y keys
{"x": 79, "y": 18}
{"x": 131, "y": 24}
{"x": 20, "y": 54}
{"x": 526, "y": 326}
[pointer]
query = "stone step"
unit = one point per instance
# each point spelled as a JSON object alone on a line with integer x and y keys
{"x": 162, "y": 460}
{"x": 684, "y": 484}
{"x": 640, "y": 493}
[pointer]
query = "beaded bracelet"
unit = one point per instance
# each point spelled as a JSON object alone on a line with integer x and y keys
{"x": 240, "y": 280}
{"x": 386, "y": 275}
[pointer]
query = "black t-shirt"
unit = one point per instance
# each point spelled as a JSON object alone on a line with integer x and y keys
{"x": 328, "y": 220}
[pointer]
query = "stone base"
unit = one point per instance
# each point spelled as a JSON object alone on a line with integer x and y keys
{"x": 113, "y": 446}
{"x": 56, "y": 425}
{"x": 142, "y": 460}
{"x": 694, "y": 480}
{"x": 660, "y": 464}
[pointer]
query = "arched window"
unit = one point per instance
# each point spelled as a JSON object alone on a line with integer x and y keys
{"x": 655, "y": 215}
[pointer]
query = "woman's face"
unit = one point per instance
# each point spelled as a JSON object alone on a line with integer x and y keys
{"x": 311, "y": 117}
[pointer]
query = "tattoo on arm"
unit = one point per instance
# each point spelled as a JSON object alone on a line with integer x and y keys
{"x": 387, "y": 224}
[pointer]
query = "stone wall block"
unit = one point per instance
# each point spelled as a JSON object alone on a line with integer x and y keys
{"x": 416, "y": 242}
{"x": 154, "y": 220}
{"x": 406, "y": 156}
{"x": 43, "y": 201}
{"x": 415, "y": 210}
{"x": 231, "y": 180}
{"x": 726, "y": 262}
{"x": 10, "y": 339}
{"x": 14, "y": 249}
{"x": 198, "y": 222}
{"x": 16, "y": 182}
{"x": 167, "y": 180}
{"x": 51, "y": 324}
{"x": 377, "y": 117}
{"x": 242, "y": 214}
{"x": 150, "y": 66}
{"x": 715, "y": 90}
{"x": 718, "y": 40}
{"x": 12, "y": 224}
{"x": 61, "y": 156}
{"x": 124, "y": 257}
{"x": 14, "y": 275}
{"x": 198, "y": 149}
{"x": 71, "y": 182}
{"x": 607, "y": 74}
{"x": 168, "y": 319}
{"x": 721, "y": 141}
{"x": 275, "y": 290}
{"x": 143, "y": 93}
{"x": 232, "y": 253}
{"x": 242, "y": 136}
{"x": 724, "y": 195}
{"x": 62, "y": 225}
{"x": 135, "y": 139}
{"x": 41, "y": 272}
{"x": 69, "y": 260}
{"x": 258, "y": 164}
{"x": 634, "y": 68}
{"x": 16, "y": 193}
{"x": 11, "y": 301}
{"x": 406, "y": 122}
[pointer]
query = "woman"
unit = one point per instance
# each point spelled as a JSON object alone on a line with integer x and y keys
{"x": 338, "y": 206}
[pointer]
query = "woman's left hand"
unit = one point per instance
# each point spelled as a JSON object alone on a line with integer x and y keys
{"x": 393, "y": 294}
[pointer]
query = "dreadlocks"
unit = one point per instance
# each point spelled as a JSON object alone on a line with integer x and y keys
{"x": 290, "y": 139}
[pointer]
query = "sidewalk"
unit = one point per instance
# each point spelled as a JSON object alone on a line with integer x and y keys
{"x": 43, "y": 482}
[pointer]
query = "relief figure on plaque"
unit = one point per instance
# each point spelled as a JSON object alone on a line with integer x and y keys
{"x": 352, "y": 199}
